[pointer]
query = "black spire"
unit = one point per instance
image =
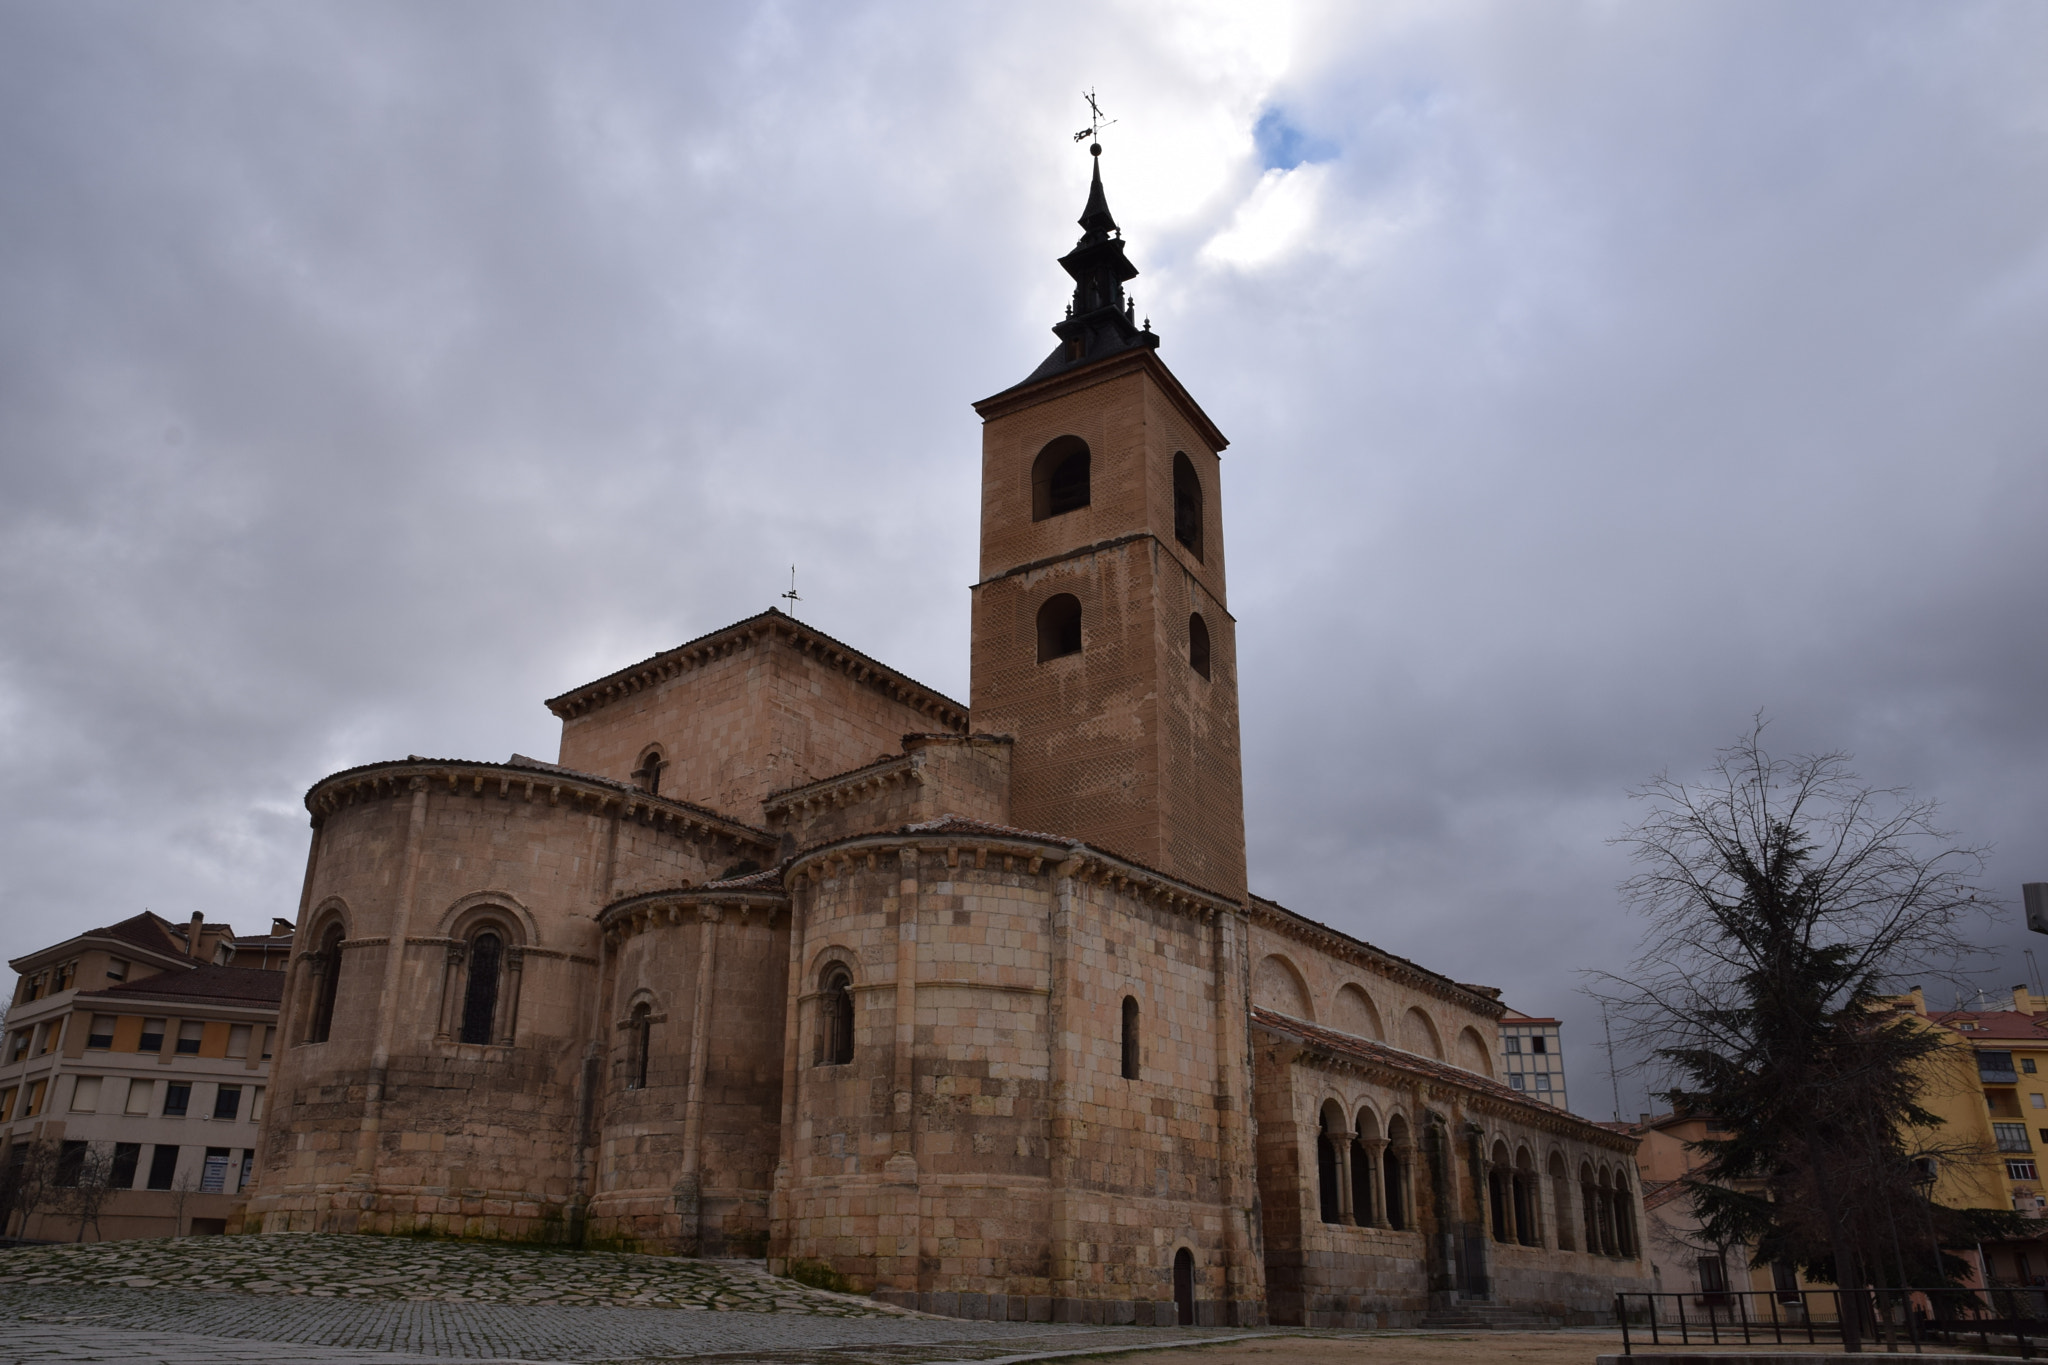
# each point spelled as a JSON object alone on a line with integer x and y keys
{"x": 1100, "y": 322}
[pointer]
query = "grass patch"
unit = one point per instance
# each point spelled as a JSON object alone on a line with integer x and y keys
{"x": 818, "y": 1275}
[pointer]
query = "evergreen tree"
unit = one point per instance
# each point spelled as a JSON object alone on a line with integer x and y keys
{"x": 1786, "y": 903}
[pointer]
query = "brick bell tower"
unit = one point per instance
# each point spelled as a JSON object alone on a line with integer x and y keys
{"x": 1103, "y": 641}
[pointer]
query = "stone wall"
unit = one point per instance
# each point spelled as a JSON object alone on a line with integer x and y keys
{"x": 982, "y": 1153}
{"x": 393, "y": 1123}
{"x": 761, "y": 706}
{"x": 934, "y": 775}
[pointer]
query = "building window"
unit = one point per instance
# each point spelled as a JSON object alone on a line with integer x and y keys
{"x": 1539, "y": 1044}
{"x": 327, "y": 984}
{"x": 1996, "y": 1066}
{"x": 190, "y": 1034}
{"x": 2012, "y": 1137}
{"x": 835, "y": 1018}
{"x": 648, "y": 774}
{"x": 1511, "y": 1045}
{"x": 213, "y": 1177}
{"x": 117, "y": 969}
{"x": 139, "y": 1095}
{"x": 1059, "y": 627}
{"x": 70, "y": 1165}
{"x": 35, "y": 1100}
{"x": 127, "y": 1156}
{"x": 227, "y": 1103}
{"x": 163, "y": 1167}
{"x": 2027, "y": 1065}
{"x": 177, "y": 1099}
{"x": 85, "y": 1095}
{"x": 1187, "y": 504}
{"x": 1130, "y": 1038}
{"x": 19, "y": 1049}
{"x": 638, "y": 1033}
{"x": 1059, "y": 478}
{"x": 152, "y": 1039}
{"x": 238, "y": 1040}
{"x": 1713, "y": 1273}
{"x": 480, "y": 999}
{"x": 101, "y": 1035}
{"x": 1543, "y": 1082}
{"x": 1515, "y": 1079}
{"x": 1198, "y": 644}
{"x": 7, "y": 1102}
{"x": 2020, "y": 1170}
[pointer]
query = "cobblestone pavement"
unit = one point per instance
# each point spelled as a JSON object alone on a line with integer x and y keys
{"x": 223, "y": 1301}
{"x": 421, "y": 1270}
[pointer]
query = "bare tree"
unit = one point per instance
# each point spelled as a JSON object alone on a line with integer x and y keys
{"x": 1786, "y": 900}
{"x": 83, "y": 1192}
{"x": 28, "y": 1177}
{"x": 182, "y": 1189}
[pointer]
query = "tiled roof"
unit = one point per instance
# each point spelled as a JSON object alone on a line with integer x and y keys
{"x": 1368, "y": 1050}
{"x": 1658, "y": 1193}
{"x": 2003, "y": 1025}
{"x": 222, "y": 985}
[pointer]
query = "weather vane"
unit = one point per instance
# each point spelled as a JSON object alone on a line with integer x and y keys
{"x": 790, "y": 596}
{"x": 1096, "y": 123}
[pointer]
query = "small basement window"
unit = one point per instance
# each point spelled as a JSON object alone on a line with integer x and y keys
{"x": 1059, "y": 627}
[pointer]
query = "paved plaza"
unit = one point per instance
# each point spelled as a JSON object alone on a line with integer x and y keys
{"x": 227, "y": 1300}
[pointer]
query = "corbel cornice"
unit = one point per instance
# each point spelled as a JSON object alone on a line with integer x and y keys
{"x": 1359, "y": 953}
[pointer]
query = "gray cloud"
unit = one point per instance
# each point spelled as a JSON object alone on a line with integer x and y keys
{"x": 1597, "y": 377}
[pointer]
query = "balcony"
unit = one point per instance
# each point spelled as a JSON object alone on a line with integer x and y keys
{"x": 2007, "y": 1143}
{"x": 1994, "y": 1074}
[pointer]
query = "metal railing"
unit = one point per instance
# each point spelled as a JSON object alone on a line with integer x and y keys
{"x": 1894, "y": 1320}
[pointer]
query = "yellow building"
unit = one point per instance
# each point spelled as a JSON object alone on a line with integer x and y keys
{"x": 1990, "y": 1085}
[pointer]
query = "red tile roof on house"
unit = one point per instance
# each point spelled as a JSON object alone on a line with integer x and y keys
{"x": 1995, "y": 1025}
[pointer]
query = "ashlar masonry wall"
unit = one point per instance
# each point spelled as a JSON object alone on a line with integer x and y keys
{"x": 392, "y": 1123}
{"x": 983, "y": 1154}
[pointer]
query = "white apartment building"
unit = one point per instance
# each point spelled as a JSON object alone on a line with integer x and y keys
{"x": 1532, "y": 1057}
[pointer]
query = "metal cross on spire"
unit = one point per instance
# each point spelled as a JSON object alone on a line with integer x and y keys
{"x": 790, "y": 596}
{"x": 1092, "y": 134}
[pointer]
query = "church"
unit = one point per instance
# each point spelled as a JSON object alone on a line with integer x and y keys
{"x": 967, "y": 1007}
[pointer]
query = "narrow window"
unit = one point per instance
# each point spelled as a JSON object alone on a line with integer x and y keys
{"x": 139, "y": 1093}
{"x": 1059, "y": 478}
{"x": 1131, "y": 1055}
{"x": 480, "y": 1001}
{"x": 1187, "y": 504}
{"x": 152, "y": 1039}
{"x": 177, "y": 1099}
{"x": 1184, "y": 1286}
{"x": 1198, "y": 644}
{"x": 238, "y": 1041}
{"x": 1326, "y": 1179}
{"x": 327, "y": 974}
{"x": 1059, "y": 627}
{"x": 227, "y": 1103}
{"x": 101, "y": 1035}
{"x": 648, "y": 774}
{"x": 85, "y": 1095}
{"x": 836, "y": 1006}
{"x": 70, "y": 1164}
{"x": 638, "y": 1034}
{"x": 117, "y": 969}
{"x": 127, "y": 1156}
{"x": 163, "y": 1167}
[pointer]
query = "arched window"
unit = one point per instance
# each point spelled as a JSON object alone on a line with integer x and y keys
{"x": 327, "y": 981}
{"x": 1561, "y": 1202}
{"x": 1187, "y": 504}
{"x": 1330, "y": 1193}
{"x": 1131, "y": 1056}
{"x": 1184, "y": 1286}
{"x": 1059, "y": 478}
{"x": 1394, "y": 1173}
{"x": 1198, "y": 644}
{"x": 1362, "y": 1192}
{"x": 480, "y": 1000}
{"x": 648, "y": 774}
{"x": 1059, "y": 627}
{"x": 638, "y": 1034}
{"x": 835, "y": 1008}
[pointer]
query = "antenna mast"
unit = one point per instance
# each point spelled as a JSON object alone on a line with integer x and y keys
{"x": 1612, "y": 1079}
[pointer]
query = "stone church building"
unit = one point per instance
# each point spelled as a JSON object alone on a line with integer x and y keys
{"x": 788, "y": 954}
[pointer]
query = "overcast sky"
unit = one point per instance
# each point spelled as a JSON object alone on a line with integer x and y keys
{"x": 1597, "y": 375}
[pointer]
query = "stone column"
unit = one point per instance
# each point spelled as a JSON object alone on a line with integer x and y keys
{"x": 513, "y": 972}
{"x": 451, "y": 991}
{"x": 780, "y": 1213}
{"x": 1244, "y": 1271}
{"x": 1340, "y": 1148}
{"x": 1060, "y": 1048}
{"x": 688, "y": 1188}
{"x": 391, "y": 996}
{"x": 1376, "y": 1165}
{"x": 903, "y": 1230}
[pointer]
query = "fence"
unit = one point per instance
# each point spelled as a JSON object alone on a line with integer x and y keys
{"x": 1884, "y": 1319}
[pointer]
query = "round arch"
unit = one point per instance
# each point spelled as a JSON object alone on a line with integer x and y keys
{"x": 1278, "y": 985}
{"x": 1419, "y": 1034}
{"x": 1353, "y": 1012}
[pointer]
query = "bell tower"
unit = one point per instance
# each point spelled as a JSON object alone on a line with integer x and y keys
{"x": 1103, "y": 641}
